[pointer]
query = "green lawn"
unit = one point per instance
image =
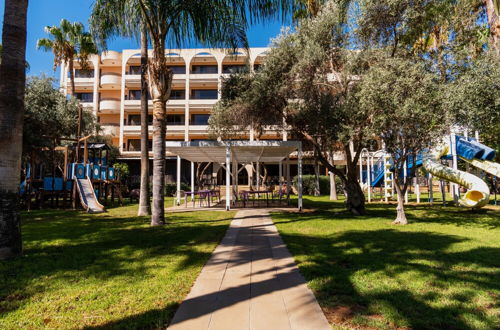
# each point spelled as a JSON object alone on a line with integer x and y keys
{"x": 439, "y": 272}
{"x": 108, "y": 270}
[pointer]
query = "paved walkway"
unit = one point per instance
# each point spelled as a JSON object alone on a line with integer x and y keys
{"x": 250, "y": 282}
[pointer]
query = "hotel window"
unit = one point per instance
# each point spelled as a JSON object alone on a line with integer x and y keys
{"x": 203, "y": 69}
{"x": 81, "y": 73}
{"x": 85, "y": 97}
{"x": 135, "y": 94}
{"x": 204, "y": 94}
{"x": 136, "y": 120}
{"x": 135, "y": 145}
{"x": 134, "y": 69}
{"x": 199, "y": 119}
{"x": 178, "y": 94}
{"x": 178, "y": 69}
{"x": 234, "y": 68}
{"x": 175, "y": 120}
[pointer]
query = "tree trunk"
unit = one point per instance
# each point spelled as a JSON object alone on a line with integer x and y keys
{"x": 12, "y": 85}
{"x": 159, "y": 134}
{"x": 494, "y": 24}
{"x": 355, "y": 199}
{"x": 317, "y": 191}
{"x": 333, "y": 187}
{"x": 144, "y": 203}
{"x": 401, "y": 215}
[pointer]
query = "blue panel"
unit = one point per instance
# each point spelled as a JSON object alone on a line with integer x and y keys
{"x": 47, "y": 184}
{"x": 80, "y": 171}
{"x": 69, "y": 185}
{"x": 111, "y": 173}
{"x": 104, "y": 173}
{"x": 96, "y": 172}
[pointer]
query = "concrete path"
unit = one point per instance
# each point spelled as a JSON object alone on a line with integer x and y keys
{"x": 250, "y": 282}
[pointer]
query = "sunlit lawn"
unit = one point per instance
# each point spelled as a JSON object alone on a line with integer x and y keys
{"x": 109, "y": 270}
{"x": 442, "y": 271}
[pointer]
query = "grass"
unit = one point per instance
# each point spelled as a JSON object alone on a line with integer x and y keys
{"x": 439, "y": 272}
{"x": 108, "y": 270}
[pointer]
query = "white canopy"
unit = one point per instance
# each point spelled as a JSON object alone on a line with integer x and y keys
{"x": 242, "y": 152}
{"x": 232, "y": 153}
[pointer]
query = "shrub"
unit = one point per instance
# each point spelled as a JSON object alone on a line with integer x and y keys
{"x": 171, "y": 188}
{"x": 309, "y": 181}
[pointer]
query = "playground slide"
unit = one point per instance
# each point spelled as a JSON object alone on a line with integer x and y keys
{"x": 478, "y": 193}
{"x": 485, "y": 165}
{"x": 88, "y": 197}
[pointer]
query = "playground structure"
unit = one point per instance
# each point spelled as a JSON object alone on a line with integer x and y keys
{"x": 90, "y": 178}
{"x": 377, "y": 171}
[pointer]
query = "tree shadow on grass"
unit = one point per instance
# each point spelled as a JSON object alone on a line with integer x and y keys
{"x": 72, "y": 246}
{"x": 392, "y": 259}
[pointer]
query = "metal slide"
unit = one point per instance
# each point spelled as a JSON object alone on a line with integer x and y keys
{"x": 478, "y": 193}
{"x": 88, "y": 197}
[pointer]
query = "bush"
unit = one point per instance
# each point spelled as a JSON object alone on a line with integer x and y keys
{"x": 309, "y": 181}
{"x": 171, "y": 188}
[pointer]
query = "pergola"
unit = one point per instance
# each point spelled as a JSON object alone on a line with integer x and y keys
{"x": 231, "y": 153}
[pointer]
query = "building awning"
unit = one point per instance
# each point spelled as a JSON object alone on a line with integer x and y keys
{"x": 242, "y": 152}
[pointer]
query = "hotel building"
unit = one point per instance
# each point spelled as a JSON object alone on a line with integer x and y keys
{"x": 110, "y": 88}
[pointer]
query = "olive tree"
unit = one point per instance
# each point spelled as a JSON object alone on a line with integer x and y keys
{"x": 410, "y": 116}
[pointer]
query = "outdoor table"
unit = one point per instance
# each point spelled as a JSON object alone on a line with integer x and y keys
{"x": 246, "y": 193}
{"x": 208, "y": 193}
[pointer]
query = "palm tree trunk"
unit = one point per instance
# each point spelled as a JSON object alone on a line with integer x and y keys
{"x": 144, "y": 203}
{"x": 494, "y": 24}
{"x": 12, "y": 84}
{"x": 159, "y": 134}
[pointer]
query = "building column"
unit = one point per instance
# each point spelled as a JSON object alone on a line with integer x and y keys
{"x": 280, "y": 175}
{"x": 178, "y": 193}
{"x": 299, "y": 175}
{"x": 228, "y": 178}
{"x": 192, "y": 180}
{"x": 97, "y": 64}
{"x": 288, "y": 180}
{"x": 122, "y": 103}
{"x": 235, "y": 179}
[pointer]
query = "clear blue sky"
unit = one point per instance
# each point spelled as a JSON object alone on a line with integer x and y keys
{"x": 50, "y": 12}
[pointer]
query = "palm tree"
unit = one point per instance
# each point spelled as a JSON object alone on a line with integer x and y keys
{"x": 12, "y": 84}
{"x": 218, "y": 23}
{"x": 130, "y": 25}
{"x": 493, "y": 13}
{"x": 69, "y": 42}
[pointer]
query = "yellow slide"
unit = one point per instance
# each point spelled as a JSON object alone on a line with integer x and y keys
{"x": 478, "y": 193}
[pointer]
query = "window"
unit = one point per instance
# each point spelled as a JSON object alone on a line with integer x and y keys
{"x": 195, "y": 69}
{"x": 134, "y": 69}
{"x": 81, "y": 73}
{"x": 178, "y": 94}
{"x": 256, "y": 67}
{"x": 234, "y": 68}
{"x": 85, "y": 97}
{"x": 175, "y": 120}
{"x": 204, "y": 94}
{"x": 135, "y": 145}
{"x": 199, "y": 119}
{"x": 136, "y": 119}
{"x": 135, "y": 94}
{"x": 178, "y": 69}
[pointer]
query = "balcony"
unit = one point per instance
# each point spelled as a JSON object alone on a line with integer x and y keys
{"x": 110, "y": 129}
{"x": 109, "y": 105}
{"x": 111, "y": 80}
{"x": 111, "y": 57}
{"x": 133, "y": 130}
{"x": 202, "y": 103}
{"x": 204, "y": 78}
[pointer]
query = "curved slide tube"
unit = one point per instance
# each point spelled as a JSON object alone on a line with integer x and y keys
{"x": 478, "y": 193}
